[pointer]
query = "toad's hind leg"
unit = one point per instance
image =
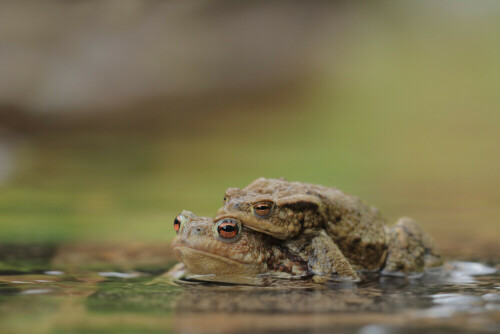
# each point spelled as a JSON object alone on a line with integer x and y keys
{"x": 410, "y": 248}
{"x": 327, "y": 259}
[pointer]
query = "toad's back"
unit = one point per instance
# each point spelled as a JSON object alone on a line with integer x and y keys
{"x": 357, "y": 229}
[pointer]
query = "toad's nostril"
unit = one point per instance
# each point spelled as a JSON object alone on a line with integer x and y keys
{"x": 196, "y": 231}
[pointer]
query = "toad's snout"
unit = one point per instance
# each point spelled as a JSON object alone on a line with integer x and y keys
{"x": 193, "y": 230}
{"x": 227, "y": 210}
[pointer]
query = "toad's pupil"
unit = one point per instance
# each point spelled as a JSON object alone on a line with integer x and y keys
{"x": 228, "y": 228}
{"x": 262, "y": 207}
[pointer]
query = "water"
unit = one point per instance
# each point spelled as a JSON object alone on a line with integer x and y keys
{"x": 37, "y": 296}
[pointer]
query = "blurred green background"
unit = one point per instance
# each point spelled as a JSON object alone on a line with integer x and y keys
{"x": 105, "y": 136}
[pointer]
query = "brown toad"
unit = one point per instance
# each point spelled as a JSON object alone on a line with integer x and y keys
{"x": 290, "y": 210}
{"x": 227, "y": 251}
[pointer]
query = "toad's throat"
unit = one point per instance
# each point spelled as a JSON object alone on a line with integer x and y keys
{"x": 178, "y": 251}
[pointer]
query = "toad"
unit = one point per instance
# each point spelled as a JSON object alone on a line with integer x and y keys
{"x": 296, "y": 211}
{"x": 227, "y": 251}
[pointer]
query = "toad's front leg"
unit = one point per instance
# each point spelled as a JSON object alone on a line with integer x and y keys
{"x": 324, "y": 257}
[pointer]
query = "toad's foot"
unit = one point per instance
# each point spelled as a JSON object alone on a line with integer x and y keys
{"x": 410, "y": 249}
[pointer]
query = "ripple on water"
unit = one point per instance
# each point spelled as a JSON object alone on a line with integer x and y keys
{"x": 492, "y": 297}
{"x": 35, "y": 291}
{"x": 470, "y": 268}
{"x": 118, "y": 274}
{"x": 53, "y": 272}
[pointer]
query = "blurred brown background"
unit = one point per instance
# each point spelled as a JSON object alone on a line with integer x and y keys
{"x": 116, "y": 115}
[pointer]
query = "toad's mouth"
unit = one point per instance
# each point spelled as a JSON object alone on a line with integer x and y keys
{"x": 277, "y": 235}
{"x": 178, "y": 251}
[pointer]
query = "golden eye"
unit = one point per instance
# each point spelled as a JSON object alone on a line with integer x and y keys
{"x": 263, "y": 209}
{"x": 177, "y": 223}
{"x": 228, "y": 228}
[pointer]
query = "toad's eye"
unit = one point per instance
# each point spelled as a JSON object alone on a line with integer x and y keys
{"x": 228, "y": 228}
{"x": 263, "y": 209}
{"x": 177, "y": 223}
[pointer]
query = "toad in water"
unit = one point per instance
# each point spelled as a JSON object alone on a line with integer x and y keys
{"x": 294, "y": 211}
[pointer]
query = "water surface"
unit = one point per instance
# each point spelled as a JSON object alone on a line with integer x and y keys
{"x": 39, "y": 295}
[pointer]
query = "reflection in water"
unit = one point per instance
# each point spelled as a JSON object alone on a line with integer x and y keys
{"x": 461, "y": 297}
